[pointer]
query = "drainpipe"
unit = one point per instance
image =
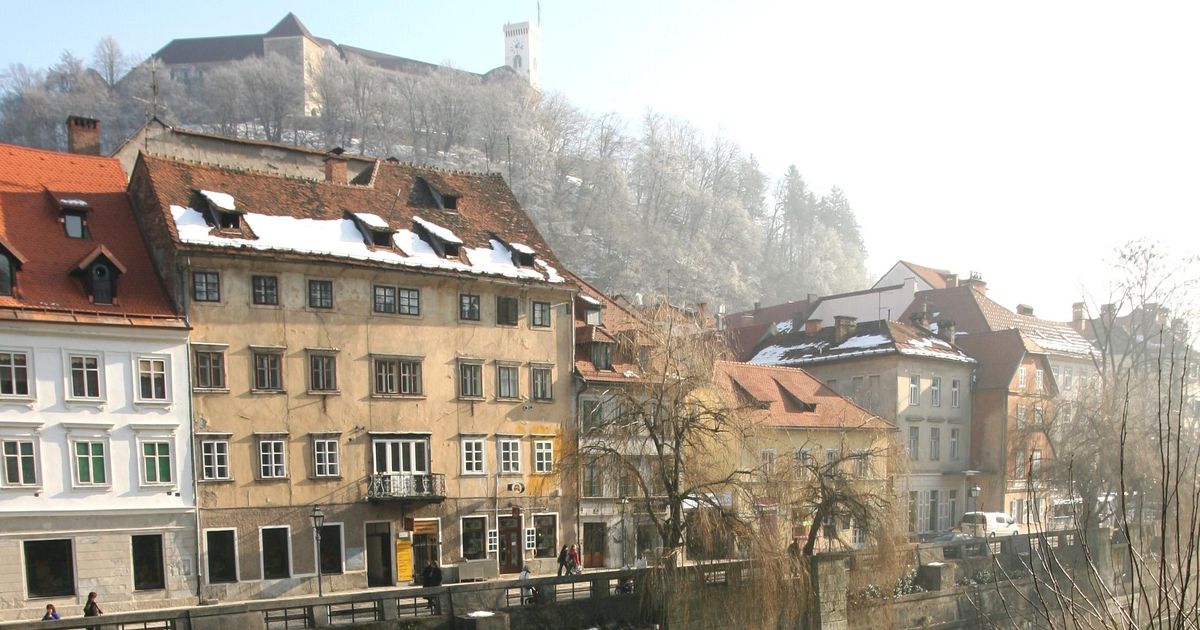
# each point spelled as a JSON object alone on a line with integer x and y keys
{"x": 181, "y": 289}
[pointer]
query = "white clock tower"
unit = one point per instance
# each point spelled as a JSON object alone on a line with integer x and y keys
{"x": 523, "y": 51}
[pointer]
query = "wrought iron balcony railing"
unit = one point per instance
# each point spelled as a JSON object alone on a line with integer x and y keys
{"x": 430, "y": 486}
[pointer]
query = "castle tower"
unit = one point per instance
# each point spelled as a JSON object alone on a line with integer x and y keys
{"x": 523, "y": 51}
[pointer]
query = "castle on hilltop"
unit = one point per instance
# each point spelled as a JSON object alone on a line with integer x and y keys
{"x": 188, "y": 60}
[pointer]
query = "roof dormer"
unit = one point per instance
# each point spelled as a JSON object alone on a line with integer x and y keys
{"x": 11, "y": 262}
{"x": 73, "y": 213}
{"x": 522, "y": 255}
{"x": 440, "y": 195}
{"x": 99, "y": 271}
{"x": 442, "y": 240}
{"x": 375, "y": 231}
{"x": 220, "y": 210}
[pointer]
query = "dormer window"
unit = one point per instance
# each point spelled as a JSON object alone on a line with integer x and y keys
{"x": 99, "y": 271}
{"x": 444, "y": 199}
{"x": 376, "y": 232}
{"x": 442, "y": 240}
{"x": 602, "y": 355}
{"x": 522, "y": 255}
{"x": 75, "y": 225}
{"x": 10, "y": 263}
{"x": 221, "y": 210}
{"x": 73, "y": 215}
{"x": 450, "y": 202}
{"x": 592, "y": 316}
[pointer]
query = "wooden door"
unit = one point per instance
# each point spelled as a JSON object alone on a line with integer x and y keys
{"x": 511, "y": 557}
{"x": 595, "y": 543}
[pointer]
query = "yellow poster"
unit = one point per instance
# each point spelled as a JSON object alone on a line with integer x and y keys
{"x": 404, "y": 561}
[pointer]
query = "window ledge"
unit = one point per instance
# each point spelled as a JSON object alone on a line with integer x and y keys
{"x": 215, "y": 481}
{"x": 85, "y": 402}
{"x": 511, "y": 474}
{"x": 159, "y": 487}
{"x": 505, "y": 399}
{"x": 92, "y": 488}
{"x": 324, "y": 392}
{"x": 399, "y": 396}
{"x": 472, "y": 398}
{"x": 323, "y": 478}
{"x": 159, "y": 404}
{"x": 24, "y": 401}
{"x": 544, "y": 401}
{"x": 273, "y": 479}
{"x": 210, "y": 390}
{"x": 15, "y": 488}
{"x": 267, "y": 392}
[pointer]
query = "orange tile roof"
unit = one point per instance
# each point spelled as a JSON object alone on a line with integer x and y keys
{"x": 935, "y": 277}
{"x": 793, "y": 398}
{"x": 32, "y": 183}
{"x": 617, "y": 320}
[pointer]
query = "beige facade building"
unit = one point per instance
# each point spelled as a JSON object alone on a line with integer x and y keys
{"x": 397, "y": 351}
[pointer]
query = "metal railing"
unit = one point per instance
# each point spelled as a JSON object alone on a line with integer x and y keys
{"x": 406, "y": 486}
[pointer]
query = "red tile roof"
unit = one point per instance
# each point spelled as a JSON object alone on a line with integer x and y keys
{"x": 618, "y": 323}
{"x": 793, "y": 398}
{"x": 486, "y": 207}
{"x": 31, "y": 183}
{"x": 868, "y": 339}
{"x": 935, "y": 277}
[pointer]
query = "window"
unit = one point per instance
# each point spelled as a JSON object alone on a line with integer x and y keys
{"x": 472, "y": 457}
{"x": 276, "y": 553}
{"x": 767, "y": 458}
{"x": 543, "y": 456}
{"x": 601, "y": 355}
{"x": 385, "y": 299}
{"x": 1039, "y": 380}
{"x": 542, "y": 383}
{"x": 954, "y": 444}
{"x": 326, "y": 462}
{"x": 506, "y": 311}
{"x": 468, "y": 307}
{"x": 271, "y": 463}
{"x": 593, "y": 478}
{"x": 7, "y": 279}
{"x": 331, "y": 549}
{"x": 148, "y": 570}
{"x": 470, "y": 380}
{"x": 935, "y": 443}
{"x": 49, "y": 568}
{"x": 221, "y": 549}
{"x": 1020, "y": 416}
{"x": 85, "y": 376}
{"x": 914, "y": 442}
{"x": 933, "y": 510}
{"x": 156, "y": 462}
{"x": 1019, "y": 466}
{"x": 20, "y": 463}
{"x": 214, "y": 460}
{"x": 320, "y": 294}
{"x": 540, "y": 314}
{"x": 860, "y": 535}
{"x": 914, "y": 390}
{"x": 1039, "y": 419}
{"x": 954, "y": 393}
{"x": 1021, "y": 377}
{"x": 101, "y": 283}
{"x": 1067, "y": 378}
{"x": 507, "y": 378}
{"x": 935, "y": 390}
{"x": 152, "y": 379}
{"x": 14, "y": 373}
{"x": 913, "y": 504}
{"x": 206, "y": 286}
{"x": 265, "y": 290}
{"x": 951, "y": 506}
{"x": 74, "y": 225}
{"x": 803, "y": 461}
{"x": 592, "y": 317}
{"x": 268, "y": 370}
{"x": 546, "y": 537}
{"x": 831, "y": 456}
{"x": 210, "y": 368}
{"x": 322, "y": 371}
{"x": 407, "y": 455}
{"x": 409, "y": 302}
{"x": 510, "y": 456}
{"x": 873, "y": 397}
{"x": 1035, "y": 462}
{"x": 474, "y": 536}
{"x": 397, "y": 376}
{"x": 90, "y": 468}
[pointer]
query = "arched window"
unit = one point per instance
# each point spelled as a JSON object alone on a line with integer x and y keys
{"x": 517, "y": 61}
{"x": 102, "y": 283}
{"x": 6, "y": 275}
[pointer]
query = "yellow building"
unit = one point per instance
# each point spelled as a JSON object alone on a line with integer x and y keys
{"x": 396, "y": 349}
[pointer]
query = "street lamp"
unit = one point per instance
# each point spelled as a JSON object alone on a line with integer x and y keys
{"x": 624, "y": 541}
{"x": 318, "y": 521}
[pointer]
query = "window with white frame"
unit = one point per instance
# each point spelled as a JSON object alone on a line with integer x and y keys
{"x": 1039, "y": 377}
{"x": 862, "y": 463}
{"x": 914, "y": 442}
{"x": 214, "y": 460}
{"x": 954, "y": 444}
{"x": 276, "y": 552}
{"x": 20, "y": 461}
{"x": 14, "y": 373}
{"x": 209, "y": 367}
{"x": 1020, "y": 416}
{"x": 322, "y": 371}
{"x": 470, "y": 379}
{"x": 767, "y": 459}
{"x": 510, "y": 456}
{"x": 542, "y": 379}
{"x": 543, "y": 456}
{"x": 472, "y": 457}
{"x": 1021, "y": 377}
{"x": 1067, "y": 378}
{"x": 1039, "y": 418}
{"x": 508, "y": 381}
{"x": 156, "y": 462}
{"x": 268, "y": 369}
{"x": 401, "y": 455}
{"x": 935, "y": 443}
{"x": 326, "y": 459}
{"x": 152, "y": 379}
{"x": 935, "y": 391}
{"x": 85, "y": 378}
{"x": 1035, "y": 462}
{"x": 914, "y": 390}
{"x": 272, "y": 463}
{"x": 397, "y": 376}
{"x": 91, "y": 462}
{"x": 539, "y": 314}
{"x": 955, "y": 393}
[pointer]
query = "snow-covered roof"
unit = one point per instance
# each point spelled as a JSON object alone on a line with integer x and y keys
{"x": 589, "y": 299}
{"x": 221, "y": 200}
{"x": 79, "y": 203}
{"x": 341, "y": 238}
{"x": 372, "y": 220}
{"x": 521, "y": 247}
{"x": 438, "y": 231}
{"x": 870, "y": 338}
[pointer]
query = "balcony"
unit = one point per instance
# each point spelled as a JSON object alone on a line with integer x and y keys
{"x": 406, "y": 487}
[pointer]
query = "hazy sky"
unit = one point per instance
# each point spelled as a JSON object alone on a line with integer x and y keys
{"x": 1023, "y": 140}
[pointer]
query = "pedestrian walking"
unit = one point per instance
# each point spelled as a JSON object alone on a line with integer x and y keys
{"x": 92, "y": 608}
{"x": 51, "y": 613}
{"x": 640, "y": 561}
{"x": 793, "y": 552}
{"x": 528, "y": 592}
{"x": 564, "y": 559}
{"x": 431, "y": 577}
{"x": 576, "y": 565}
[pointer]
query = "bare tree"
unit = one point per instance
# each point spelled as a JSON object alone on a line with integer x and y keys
{"x": 109, "y": 60}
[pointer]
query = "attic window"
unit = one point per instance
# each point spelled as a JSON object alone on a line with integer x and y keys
{"x": 222, "y": 210}
{"x": 442, "y": 240}
{"x": 522, "y": 254}
{"x": 592, "y": 316}
{"x": 10, "y": 263}
{"x": 99, "y": 271}
{"x": 450, "y": 202}
{"x": 601, "y": 355}
{"x": 374, "y": 229}
{"x": 75, "y": 224}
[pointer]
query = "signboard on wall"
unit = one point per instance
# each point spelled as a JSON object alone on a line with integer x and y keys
{"x": 404, "y": 561}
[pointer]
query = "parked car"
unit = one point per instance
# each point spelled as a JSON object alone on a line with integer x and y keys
{"x": 989, "y": 524}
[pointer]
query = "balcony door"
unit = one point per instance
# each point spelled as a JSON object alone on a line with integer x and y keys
{"x": 409, "y": 455}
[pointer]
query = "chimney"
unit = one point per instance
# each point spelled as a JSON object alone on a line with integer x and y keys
{"x": 335, "y": 166}
{"x": 811, "y": 327}
{"x": 1077, "y": 317}
{"x": 946, "y": 330}
{"x": 756, "y": 306}
{"x": 920, "y": 319}
{"x": 83, "y": 135}
{"x": 951, "y": 280}
{"x": 811, "y": 298}
{"x": 1024, "y": 309}
{"x": 843, "y": 327}
{"x": 976, "y": 283}
{"x": 1108, "y": 312}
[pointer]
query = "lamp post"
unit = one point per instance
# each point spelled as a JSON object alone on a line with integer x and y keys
{"x": 972, "y": 494}
{"x": 318, "y": 521}
{"x": 624, "y": 540}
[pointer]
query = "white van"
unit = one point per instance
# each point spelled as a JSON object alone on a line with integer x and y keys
{"x": 989, "y": 524}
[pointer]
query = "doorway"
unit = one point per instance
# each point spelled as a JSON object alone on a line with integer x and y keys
{"x": 379, "y": 554}
{"x": 511, "y": 557}
{"x": 425, "y": 546}
{"x": 595, "y": 540}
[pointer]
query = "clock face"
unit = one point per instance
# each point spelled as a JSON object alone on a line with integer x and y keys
{"x": 517, "y": 46}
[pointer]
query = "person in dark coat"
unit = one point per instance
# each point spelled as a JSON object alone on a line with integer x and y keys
{"x": 564, "y": 559}
{"x": 431, "y": 577}
{"x": 92, "y": 609}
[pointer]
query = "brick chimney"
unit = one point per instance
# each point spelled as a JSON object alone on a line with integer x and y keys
{"x": 1078, "y": 321}
{"x": 951, "y": 280}
{"x": 843, "y": 327}
{"x": 976, "y": 283}
{"x": 1108, "y": 312}
{"x": 812, "y": 327}
{"x": 83, "y": 135}
{"x": 946, "y": 330}
{"x": 335, "y": 166}
{"x": 1024, "y": 309}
